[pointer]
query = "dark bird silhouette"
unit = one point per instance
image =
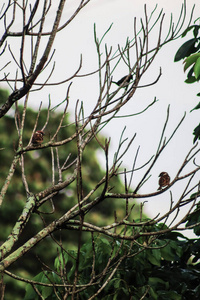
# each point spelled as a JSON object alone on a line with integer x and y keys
{"x": 126, "y": 83}
{"x": 37, "y": 138}
{"x": 164, "y": 180}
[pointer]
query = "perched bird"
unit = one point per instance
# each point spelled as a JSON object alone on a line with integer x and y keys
{"x": 37, "y": 138}
{"x": 164, "y": 180}
{"x": 129, "y": 77}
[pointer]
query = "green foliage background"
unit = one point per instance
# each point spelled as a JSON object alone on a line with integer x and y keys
{"x": 190, "y": 52}
{"x": 170, "y": 269}
{"x": 38, "y": 172}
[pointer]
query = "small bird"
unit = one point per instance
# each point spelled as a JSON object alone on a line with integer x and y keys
{"x": 164, "y": 180}
{"x": 37, "y": 138}
{"x": 126, "y": 83}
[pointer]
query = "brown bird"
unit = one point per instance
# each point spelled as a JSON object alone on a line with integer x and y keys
{"x": 119, "y": 82}
{"x": 164, "y": 180}
{"x": 37, "y": 138}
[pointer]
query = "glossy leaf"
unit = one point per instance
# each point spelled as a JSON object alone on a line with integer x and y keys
{"x": 196, "y": 107}
{"x": 191, "y": 79}
{"x": 196, "y": 133}
{"x": 190, "y": 60}
{"x": 187, "y": 30}
{"x": 191, "y": 71}
{"x": 185, "y": 50}
{"x": 197, "y": 69}
{"x": 196, "y": 30}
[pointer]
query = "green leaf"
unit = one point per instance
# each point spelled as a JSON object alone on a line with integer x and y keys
{"x": 197, "y": 68}
{"x": 194, "y": 195}
{"x": 85, "y": 258}
{"x": 60, "y": 262}
{"x": 196, "y": 30}
{"x": 191, "y": 71}
{"x": 173, "y": 235}
{"x": 185, "y": 50}
{"x": 167, "y": 252}
{"x": 56, "y": 278}
{"x": 117, "y": 283}
{"x": 196, "y": 133}
{"x": 197, "y": 230}
{"x": 155, "y": 281}
{"x": 72, "y": 270}
{"x": 190, "y": 60}
{"x": 153, "y": 293}
{"x": 196, "y": 107}
{"x": 191, "y": 79}
{"x": 47, "y": 291}
{"x": 30, "y": 293}
{"x": 154, "y": 256}
{"x": 187, "y": 30}
{"x": 194, "y": 218}
{"x": 172, "y": 295}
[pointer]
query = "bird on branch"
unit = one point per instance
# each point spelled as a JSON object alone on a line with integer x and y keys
{"x": 164, "y": 180}
{"x": 126, "y": 79}
{"x": 37, "y": 138}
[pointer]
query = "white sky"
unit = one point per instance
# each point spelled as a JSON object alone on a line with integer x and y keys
{"x": 78, "y": 38}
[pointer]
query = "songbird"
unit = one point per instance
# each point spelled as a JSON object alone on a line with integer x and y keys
{"x": 37, "y": 138}
{"x": 126, "y": 83}
{"x": 164, "y": 180}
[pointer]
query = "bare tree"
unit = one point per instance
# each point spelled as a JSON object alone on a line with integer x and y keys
{"x": 138, "y": 57}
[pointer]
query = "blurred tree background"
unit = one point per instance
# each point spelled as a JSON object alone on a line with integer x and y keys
{"x": 39, "y": 177}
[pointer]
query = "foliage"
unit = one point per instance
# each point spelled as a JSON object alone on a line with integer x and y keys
{"x": 168, "y": 269}
{"x": 190, "y": 52}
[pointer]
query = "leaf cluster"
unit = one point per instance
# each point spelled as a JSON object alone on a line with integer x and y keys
{"x": 169, "y": 269}
{"x": 190, "y": 52}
